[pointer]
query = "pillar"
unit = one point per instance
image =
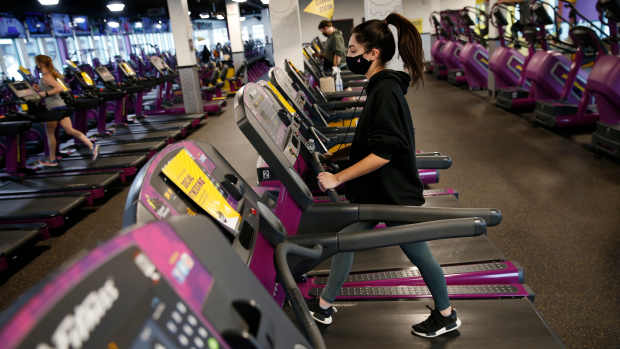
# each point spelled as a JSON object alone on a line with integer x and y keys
{"x": 286, "y": 29}
{"x": 234, "y": 33}
{"x": 187, "y": 67}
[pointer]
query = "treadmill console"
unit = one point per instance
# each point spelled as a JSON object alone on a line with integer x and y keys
{"x": 284, "y": 83}
{"x": 24, "y": 91}
{"x": 168, "y": 284}
{"x": 188, "y": 178}
{"x": 160, "y": 65}
{"x": 105, "y": 74}
{"x": 127, "y": 70}
{"x": 279, "y": 145}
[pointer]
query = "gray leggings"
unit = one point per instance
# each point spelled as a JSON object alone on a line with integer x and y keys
{"x": 418, "y": 253}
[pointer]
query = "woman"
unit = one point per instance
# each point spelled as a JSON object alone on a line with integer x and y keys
{"x": 382, "y": 155}
{"x": 56, "y": 111}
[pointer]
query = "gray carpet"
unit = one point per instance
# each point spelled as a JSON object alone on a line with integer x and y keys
{"x": 561, "y": 206}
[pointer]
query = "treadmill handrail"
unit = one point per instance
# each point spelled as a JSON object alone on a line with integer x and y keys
{"x": 297, "y": 300}
{"x": 392, "y": 236}
{"x": 417, "y": 214}
{"x": 433, "y": 162}
{"x": 318, "y": 166}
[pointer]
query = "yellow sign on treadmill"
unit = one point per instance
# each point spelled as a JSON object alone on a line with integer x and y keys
{"x": 280, "y": 98}
{"x": 183, "y": 171}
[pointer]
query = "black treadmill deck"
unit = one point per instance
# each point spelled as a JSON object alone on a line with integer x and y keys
{"x": 497, "y": 323}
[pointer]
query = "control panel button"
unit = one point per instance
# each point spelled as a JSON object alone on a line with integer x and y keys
{"x": 199, "y": 342}
{"x": 188, "y": 330}
{"x": 177, "y": 317}
{"x": 171, "y": 327}
{"x": 183, "y": 340}
{"x": 212, "y": 343}
{"x": 202, "y": 332}
{"x": 192, "y": 320}
{"x": 182, "y": 308}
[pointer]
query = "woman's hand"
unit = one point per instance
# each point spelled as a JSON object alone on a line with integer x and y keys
{"x": 42, "y": 94}
{"x": 328, "y": 181}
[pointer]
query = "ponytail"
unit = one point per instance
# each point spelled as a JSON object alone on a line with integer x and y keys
{"x": 377, "y": 34}
{"x": 409, "y": 46}
{"x": 47, "y": 62}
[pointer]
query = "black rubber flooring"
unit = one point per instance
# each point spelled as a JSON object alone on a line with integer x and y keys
{"x": 561, "y": 207}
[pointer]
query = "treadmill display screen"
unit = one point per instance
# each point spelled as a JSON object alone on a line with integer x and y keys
{"x": 265, "y": 108}
{"x": 158, "y": 63}
{"x": 125, "y": 303}
{"x": 185, "y": 173}
{"x": 105, "y": 74}
{"x": 23, "y": 90}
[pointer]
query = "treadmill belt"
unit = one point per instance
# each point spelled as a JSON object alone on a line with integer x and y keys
{"x": 39, "y": 208}
{"x": 151, "y": 127}
{"x": 121, "y": 148}
{"x": 497, "y": 323}
{"x": 172, "y": 118}
{"x": 57, "y": 184}
{"x": 12, "y": 237}
{"x": 105, "y": 163}
{"x": 448, "y": 251}
{"x": 139, "y": 137}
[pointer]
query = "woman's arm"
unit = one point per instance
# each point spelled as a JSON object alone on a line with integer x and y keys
{"x": 368, "y": 164}
{"x": 50, "y": 81}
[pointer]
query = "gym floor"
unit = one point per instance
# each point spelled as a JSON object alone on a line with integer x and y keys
{"x": 561, "y": 206}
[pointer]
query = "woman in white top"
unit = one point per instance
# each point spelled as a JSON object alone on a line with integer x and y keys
{"x": 56, "y": 111}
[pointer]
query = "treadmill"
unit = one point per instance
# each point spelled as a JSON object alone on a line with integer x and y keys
{"x": 216, "y": 191}
{"x": 281, "y": 148}
{"x": 126, "y": 164}
{"x": 154, "y": 195}
{"x": 17, "y": 237}
{"x": 207, "y": 298}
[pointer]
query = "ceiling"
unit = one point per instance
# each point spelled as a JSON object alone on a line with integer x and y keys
{"x": 133, "y": 8}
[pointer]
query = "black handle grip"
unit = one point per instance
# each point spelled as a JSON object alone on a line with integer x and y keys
{"x": 410, "y": 233}
{"x": 433, "y": 162}
{"x": 318, "y": 166}
{"x": 416, "y": 214}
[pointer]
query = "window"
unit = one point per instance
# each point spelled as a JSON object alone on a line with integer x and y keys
{"x": 32, "y": 50}
{"x": 8, "y": 51}
{"x": 220, "y": 35}
{"x": 51, "y": 49}
{"x": 86, "y": 51}
{"x": 258, "y": 32}
{"x": 72, "y": 53}
{"x": 245, "y": 34}
{"x": 101, "y": 51}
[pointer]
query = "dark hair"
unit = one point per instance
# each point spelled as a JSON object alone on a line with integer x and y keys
{"x": 325, "y": 23}
{"x": 376, "y": 34}
{"x": 47, "y": 62}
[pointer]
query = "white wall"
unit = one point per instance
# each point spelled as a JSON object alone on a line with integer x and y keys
{"x": 344, "y": 9}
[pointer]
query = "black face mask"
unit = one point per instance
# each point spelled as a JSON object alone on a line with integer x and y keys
{"x": 358, "y": 64}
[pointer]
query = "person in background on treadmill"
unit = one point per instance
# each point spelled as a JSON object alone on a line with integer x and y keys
{"x": 56, "y": 111}
{"x": 383, "y": 160}
{"x": 205, "y": 55}
{"x": 335, "y": 49}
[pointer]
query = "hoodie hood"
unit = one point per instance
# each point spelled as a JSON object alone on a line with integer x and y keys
{"x": 400, "y": 77}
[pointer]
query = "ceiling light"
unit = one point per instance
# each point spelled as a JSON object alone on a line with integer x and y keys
{"x": 219, "y": 17}
{"x": 158, "y": 26}
{"x": 48, "y": 2}
{"x": 239, "y": 0}
{"x": 138, "y": 25}
{"x": 265, "y": 2}
{"x": 115, "y": 6}
{"x": 189, "y": 13}
{"x": 79, "y": 20}
{"x": 113, "y": 24}
{"x": 204, "y": 15}
{"x": 242, "y": 19}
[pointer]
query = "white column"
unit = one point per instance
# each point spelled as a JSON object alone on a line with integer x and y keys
{"x": 234, "y": 32}
{"x": 286, "y": 29}
{"x": 379, "y": 9}
{"x": 181, "y": 27}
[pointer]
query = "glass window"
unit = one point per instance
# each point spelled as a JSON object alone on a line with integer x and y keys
{"x": 245, "y": 34}
{"x": 100, "y": 47}
{"x": 86, "y": 51}
{"x": 71, "y": 50}
{"x": 220, "y": 35}
{"x": 32, "y": 50}
{"x": 122, "y": 47}
{"x": 8, "y": 51}
{"x": 258, "y": 32}
{"x": 51, "y": 49}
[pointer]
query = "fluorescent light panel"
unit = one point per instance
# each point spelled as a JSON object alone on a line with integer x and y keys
{"x": 48, "y": 2}
{"x": 115, "y": 6}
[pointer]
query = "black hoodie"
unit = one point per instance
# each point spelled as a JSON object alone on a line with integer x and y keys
{"x": 385, "y": 128}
